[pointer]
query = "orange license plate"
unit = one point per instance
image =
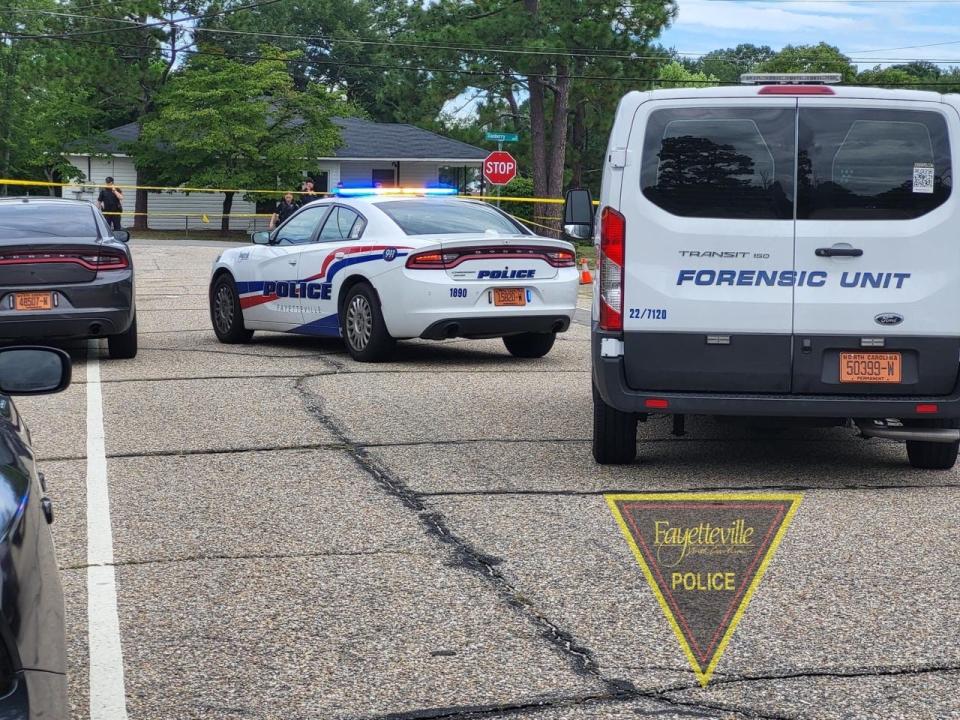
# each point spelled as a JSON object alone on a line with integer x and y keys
{"x": 869, "y": 367}
{"x": 33, "y": 301}
{"x": 509, "y": 296}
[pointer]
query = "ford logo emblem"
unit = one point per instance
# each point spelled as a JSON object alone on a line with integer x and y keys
{"x": 888, "y": 319}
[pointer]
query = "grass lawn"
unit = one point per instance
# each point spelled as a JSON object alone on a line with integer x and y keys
{"x": 231, "y": 236}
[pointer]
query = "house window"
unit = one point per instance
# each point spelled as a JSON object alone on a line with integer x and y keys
{"x": 383, "y": 178}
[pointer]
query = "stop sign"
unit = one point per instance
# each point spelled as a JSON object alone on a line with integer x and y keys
{"x": 499, "y": 168}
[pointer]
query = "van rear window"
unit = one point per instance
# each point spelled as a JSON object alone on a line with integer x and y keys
{"x": 721, "y": 162}
{"x": 871, "y": 164}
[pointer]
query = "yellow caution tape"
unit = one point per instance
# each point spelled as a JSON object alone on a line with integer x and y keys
{"x": 246, "y": 191}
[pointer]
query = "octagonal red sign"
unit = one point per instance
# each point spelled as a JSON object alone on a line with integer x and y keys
{"x": 499, "y": 168}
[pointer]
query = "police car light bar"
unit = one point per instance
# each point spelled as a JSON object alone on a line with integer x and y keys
{"x": 790, "y": 78}
{"x": 412, "y": 191}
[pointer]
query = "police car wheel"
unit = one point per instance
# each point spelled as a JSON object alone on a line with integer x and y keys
{"x": 364, "y": 331}
{"x": 124, "y": 345}
{"x": 932, "y": 455}
{"x": 614, "y": 434}
{"x": 529, "y": 345}
{"x": 225, "y": 312}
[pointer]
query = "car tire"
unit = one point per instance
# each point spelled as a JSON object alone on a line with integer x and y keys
{"x": 363, "y": 328}
{"x": 932, "y": 455}
{"x": 226, "y": 314}
{"x": 124, "y": 345}
{"x": 529, "y": 345}
{"x": 614, "y": 434}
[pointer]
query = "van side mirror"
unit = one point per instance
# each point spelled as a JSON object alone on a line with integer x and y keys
{"x": 261, "y": 237}
{"x": 121, "y": 235}
{"x": 33, "y": 370}
{"x": 578, "y": 215}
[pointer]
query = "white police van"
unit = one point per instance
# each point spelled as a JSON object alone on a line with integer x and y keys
{"x": 786, "y": 248}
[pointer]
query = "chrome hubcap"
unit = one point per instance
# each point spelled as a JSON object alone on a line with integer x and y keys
{"x": 223, "y": 309}
{"x": 359, "y": 322}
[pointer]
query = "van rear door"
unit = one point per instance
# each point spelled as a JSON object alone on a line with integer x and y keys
{"x": 709, "y": 253}
{"x": 876, "y": 216}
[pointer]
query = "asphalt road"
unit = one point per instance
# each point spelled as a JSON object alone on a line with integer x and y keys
{"x": 296, "y": 535}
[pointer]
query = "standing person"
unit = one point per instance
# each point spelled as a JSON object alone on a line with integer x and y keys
{"x": 285, "y": 208}
{"x": 110, "y": 201}
{"x": 308, "y": 195}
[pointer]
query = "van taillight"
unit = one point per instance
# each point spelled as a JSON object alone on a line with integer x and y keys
{"x": 613, "y": 230}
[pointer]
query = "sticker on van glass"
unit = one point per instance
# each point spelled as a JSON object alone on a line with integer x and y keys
{"x": 923, "y": 177}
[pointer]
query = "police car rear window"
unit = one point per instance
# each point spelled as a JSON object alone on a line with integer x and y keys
{"x": 871, "y": 164}
{"x": 720, "y": 162}
{"x": 457, "y": 217}
{"x": 47, "y": 219}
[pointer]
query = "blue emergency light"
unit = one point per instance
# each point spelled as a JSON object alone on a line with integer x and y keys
{"x": 366, "y": 191}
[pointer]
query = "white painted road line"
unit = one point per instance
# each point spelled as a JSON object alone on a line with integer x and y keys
{"x": 107, "y": 694}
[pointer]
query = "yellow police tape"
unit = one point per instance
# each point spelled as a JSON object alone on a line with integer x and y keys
{"x": 246, "y": 191}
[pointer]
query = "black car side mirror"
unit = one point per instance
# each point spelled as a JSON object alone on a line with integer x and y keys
{"x": 578, "y": 215}
{"x": 261, "y": 237}
{"x": 121, "y": 235}
{"x": 33, "y": 370}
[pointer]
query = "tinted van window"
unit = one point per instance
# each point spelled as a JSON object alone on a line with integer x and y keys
{"x": 868, "y": 164}
{"x": 720, "y": 162}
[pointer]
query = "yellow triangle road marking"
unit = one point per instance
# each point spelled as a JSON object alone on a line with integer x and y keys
{"x": 703, "y": 555}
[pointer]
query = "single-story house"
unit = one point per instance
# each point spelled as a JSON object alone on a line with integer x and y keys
{"x": 391, "y": 154}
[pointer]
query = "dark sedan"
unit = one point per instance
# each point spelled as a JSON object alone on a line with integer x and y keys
{"x": 33, "y": 682}
{"x": 65, "y": 275}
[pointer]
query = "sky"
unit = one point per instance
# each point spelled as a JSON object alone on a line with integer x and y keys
{"x": 866, "y": 30}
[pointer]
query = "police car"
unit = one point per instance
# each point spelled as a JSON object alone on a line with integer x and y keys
{"x": 376, "y": 265}
{"x": 783, "y": 248}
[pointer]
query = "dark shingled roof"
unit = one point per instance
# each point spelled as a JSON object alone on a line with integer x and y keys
{"x": 361, "y": 139}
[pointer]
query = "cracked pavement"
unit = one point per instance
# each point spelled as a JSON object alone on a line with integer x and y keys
{"x": 300, "y": 536}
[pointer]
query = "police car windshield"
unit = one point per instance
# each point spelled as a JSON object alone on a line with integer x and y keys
{"x": 435, "y": 217}
{"x": 46, "y": 219}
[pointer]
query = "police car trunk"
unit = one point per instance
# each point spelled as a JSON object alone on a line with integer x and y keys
{"x": 785, "y": 239}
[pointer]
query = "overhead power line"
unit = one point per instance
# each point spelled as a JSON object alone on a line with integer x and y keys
{"x": 451, "y": 71}
{"x": 160, "y": 23}
{"x": 464, "y": 48}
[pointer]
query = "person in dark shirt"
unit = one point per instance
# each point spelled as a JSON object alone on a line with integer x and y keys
{"x": 285, "y": 208}
{"x": 307, "y": 195}
{"x": 110, "y": 201}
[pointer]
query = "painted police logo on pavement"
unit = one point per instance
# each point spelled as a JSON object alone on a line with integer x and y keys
{"x": 703, "y": 556}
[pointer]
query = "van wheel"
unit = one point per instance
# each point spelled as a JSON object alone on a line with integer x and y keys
{"x": 124, "y": 345}
{"x": 226, "y": 313}
{"x": 932, "y": 455}
{"x": 614, "y": 434}
{"x": 364, "y": 331}
{"x": 529, "y": 345}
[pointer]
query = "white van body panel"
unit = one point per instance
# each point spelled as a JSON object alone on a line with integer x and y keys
{"x": 663, "y": 249}
{"x": 916, "y": 261}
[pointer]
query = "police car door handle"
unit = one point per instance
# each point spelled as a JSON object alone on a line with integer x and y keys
{"x": 839, "y": 252}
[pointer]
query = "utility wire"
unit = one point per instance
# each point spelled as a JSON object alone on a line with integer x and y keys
{"x": 159, "y": 23}
{"x": 454, "y": 71}
{"x": 610, "y": 54}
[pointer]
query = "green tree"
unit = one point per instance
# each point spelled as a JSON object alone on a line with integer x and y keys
{"x": 885, "y": 77}
{"x": 820, "y": 58}
{"x": 674, "y": 75}
{"x": 729, "y": 64}
{"x": 543, "y": 53}
{"x": 224, "y": 123}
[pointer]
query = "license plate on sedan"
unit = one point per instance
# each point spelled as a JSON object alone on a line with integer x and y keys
{"x": 33, "y": 301}
{"x": 870, "y": 367}
{"x": 509, "y": 296}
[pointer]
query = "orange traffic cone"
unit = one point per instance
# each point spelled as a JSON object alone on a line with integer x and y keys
{"x": 585, "y": 277}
